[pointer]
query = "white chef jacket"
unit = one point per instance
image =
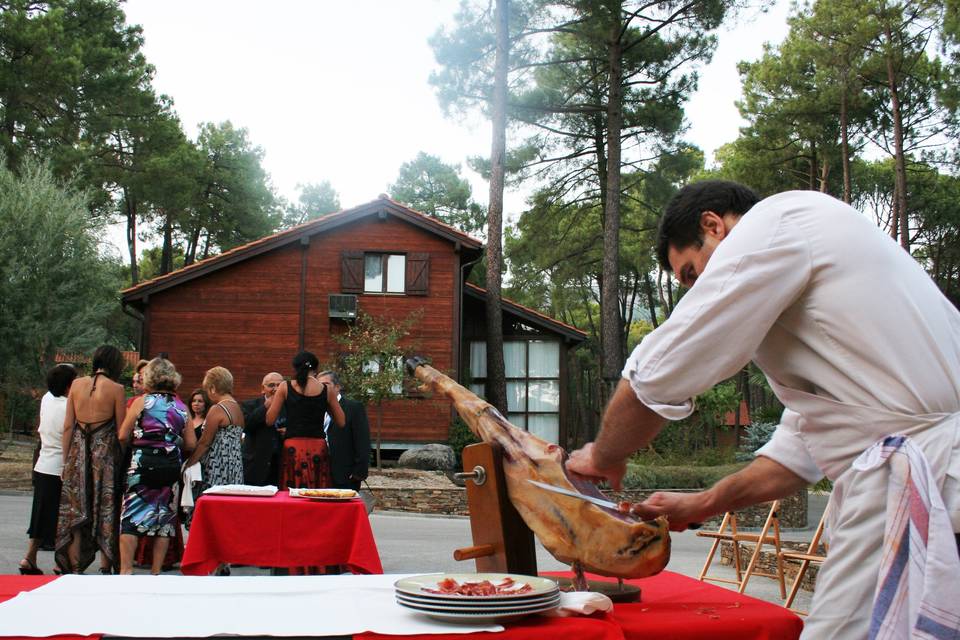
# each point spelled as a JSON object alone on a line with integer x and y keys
{"x": 854, "y": 337}
{"x": 52, "y": 413}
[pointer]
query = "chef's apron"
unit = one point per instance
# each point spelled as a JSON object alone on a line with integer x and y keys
{"x": 836, "y": 433}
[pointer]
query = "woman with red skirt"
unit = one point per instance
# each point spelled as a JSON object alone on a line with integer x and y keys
{"x": 304, "y": 458}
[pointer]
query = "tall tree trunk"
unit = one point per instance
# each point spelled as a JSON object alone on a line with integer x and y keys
{"x": 496, "y": 387}
{"x": 813, "y": 171}
{"x": 651, "y": 303}
{"x": 845, "y": 144}
{"x": 824, "y": 174}
{"x": 899, "y": 161}
{"x": 612, "y": 344}
{"x": 130, "y": 209}
{"x": 166, "y": 253}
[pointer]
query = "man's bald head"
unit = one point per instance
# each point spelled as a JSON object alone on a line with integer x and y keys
{"x": 270, "y": 383}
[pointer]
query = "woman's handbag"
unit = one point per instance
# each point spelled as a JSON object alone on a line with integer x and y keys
{"x": 159, "y": 468}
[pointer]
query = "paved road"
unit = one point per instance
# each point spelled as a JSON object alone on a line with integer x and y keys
{"x": 408, "y": 544}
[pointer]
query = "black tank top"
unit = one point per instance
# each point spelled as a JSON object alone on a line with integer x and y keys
{"x": 304, "y": 413}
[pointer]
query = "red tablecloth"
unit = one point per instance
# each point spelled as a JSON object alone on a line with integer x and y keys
{"x": 672, "y": 606}
{"x": 279, "y": 532}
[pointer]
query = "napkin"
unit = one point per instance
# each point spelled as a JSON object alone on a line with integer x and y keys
{"x": 580, "y": 603}
{"x": 242, "y": 490}
{"x": 190, "y": 475}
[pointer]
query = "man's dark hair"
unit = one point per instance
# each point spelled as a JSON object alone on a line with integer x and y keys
{"x": 110, "y": 360}
{"x": 680, "y": 224}
{"x": 59, "y": 379}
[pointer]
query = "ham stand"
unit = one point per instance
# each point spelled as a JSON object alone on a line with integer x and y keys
{"x": 502, "y": 541}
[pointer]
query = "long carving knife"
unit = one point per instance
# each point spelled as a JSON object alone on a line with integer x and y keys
{"x": 600, "y": 502}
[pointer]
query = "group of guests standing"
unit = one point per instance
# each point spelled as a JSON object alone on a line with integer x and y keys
{"x": 108, "y": 475}
{"x": 289, "y": 440}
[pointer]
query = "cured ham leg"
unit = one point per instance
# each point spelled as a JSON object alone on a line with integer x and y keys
{"x": 576, "y": 532}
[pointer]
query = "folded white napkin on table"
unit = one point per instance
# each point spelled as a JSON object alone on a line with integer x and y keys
{"x": 241, "y": 490}
{"x": 581, "y": 603}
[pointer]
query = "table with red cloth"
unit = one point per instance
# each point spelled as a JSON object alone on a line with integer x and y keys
{"x": 672, "y": 606}
{"x": 279, "y": 531}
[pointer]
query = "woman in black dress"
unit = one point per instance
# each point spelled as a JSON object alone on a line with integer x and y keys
{"x": 305, "y": 461}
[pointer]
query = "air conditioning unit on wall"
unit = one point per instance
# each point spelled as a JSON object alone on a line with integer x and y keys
{"x": 342, "y": 305}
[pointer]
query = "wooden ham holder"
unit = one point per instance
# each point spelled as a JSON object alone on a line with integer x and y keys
{"x": 502, "y": 542}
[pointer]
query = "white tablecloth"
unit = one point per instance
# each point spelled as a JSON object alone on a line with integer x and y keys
{"x": 192, "y": 606}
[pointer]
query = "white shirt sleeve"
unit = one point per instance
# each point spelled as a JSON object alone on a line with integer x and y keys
{"x": 788, "y": 448}
{"x": 755, "y": 273}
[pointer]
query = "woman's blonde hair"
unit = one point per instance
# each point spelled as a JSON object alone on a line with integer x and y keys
{"x": 161, "y": 375}
{"x": 220, "y": 379}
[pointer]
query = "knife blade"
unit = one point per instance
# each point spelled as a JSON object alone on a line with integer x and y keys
{"x": 600, "y": 502}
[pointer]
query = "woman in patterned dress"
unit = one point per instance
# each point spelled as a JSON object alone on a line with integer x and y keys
{"x": 219, "y": 448}
{"x": 156, "y": 423}
{"x": 304, "y": 458}
{"x": 89, "y": 502}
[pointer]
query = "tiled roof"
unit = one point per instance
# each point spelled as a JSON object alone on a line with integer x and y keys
{"x": 533, "y": 314}
{"x": 325, "y": 223}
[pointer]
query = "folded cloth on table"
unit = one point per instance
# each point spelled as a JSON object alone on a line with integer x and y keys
{"x": 241, "y": 490}
{"x": 580, "y": 603}
{"x": 190, "y": 475}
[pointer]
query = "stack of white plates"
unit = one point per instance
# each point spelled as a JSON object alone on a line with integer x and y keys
{"x": 417, "y": 593}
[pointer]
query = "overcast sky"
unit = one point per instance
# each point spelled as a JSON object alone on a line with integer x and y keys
{"x": 339, "y": 91}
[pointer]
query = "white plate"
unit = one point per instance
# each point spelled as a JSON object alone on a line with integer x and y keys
{"x": 470, "y": 608}
{"x": 339, "y": 494}
{"x": 461, "y": 616}
{"x": 477, "y": 604}
{"x": 414, "y": 586}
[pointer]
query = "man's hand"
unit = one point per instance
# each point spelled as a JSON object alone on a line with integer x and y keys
{"x": 681, "y": 509}
{"x": 583, "y": 462}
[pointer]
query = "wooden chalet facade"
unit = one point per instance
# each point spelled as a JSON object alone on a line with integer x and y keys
{"x": 252, "y": 308}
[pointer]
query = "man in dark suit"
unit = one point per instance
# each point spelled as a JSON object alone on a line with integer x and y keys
{"x": 261, "y": 443}
{"x": 349, "y": 445}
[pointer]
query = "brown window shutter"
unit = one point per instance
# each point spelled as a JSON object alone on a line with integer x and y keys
{"x": 417, "y": 281}
{"x": 351, "y": 271}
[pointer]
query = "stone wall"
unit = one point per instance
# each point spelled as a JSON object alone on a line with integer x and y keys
{"x": 453, "y": 501}
{"x": 767, "y": 562}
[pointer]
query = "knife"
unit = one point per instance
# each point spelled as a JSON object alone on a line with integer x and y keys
{"x": 600, "y": 502}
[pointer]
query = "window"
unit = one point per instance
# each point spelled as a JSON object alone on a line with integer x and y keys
{"x": 384, "y": 272}
{"x": 532, "y": 369}
{"x": 380, "y": 272}
{"x": 372, "y": 366}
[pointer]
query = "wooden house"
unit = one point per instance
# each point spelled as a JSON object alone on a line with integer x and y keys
{"x": 252, "y": 308}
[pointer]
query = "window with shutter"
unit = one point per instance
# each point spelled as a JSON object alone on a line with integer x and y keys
{"x": 418, "y": 274}
{"x": 351, "y": 271}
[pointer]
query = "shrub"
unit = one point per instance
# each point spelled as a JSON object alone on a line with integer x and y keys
{"x": 460, "y": 437}
{"x": 675, "y": 477}
{"x": 755, "y": 436}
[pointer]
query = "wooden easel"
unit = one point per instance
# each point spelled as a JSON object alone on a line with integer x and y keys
{"x": 502, "y": 542}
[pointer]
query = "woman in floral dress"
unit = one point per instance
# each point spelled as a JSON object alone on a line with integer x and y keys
{"x": 156, "y": 423}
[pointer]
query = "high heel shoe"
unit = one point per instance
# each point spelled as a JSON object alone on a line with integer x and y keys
{"x": 28, "y": 568}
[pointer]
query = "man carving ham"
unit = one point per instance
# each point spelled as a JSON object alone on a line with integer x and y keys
{"x": 864, "y": 352}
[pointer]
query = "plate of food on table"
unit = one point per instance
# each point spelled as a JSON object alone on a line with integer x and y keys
{"x": 324, "y": 494}
{"x": 470, "y": 597}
